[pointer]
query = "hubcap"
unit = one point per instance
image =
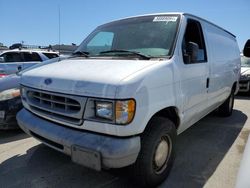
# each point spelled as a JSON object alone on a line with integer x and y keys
{"x": 162, "y": 154}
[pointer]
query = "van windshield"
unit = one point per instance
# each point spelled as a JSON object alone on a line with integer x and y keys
{"x": 146, "y": 36}
{"x": 245, "y": 61}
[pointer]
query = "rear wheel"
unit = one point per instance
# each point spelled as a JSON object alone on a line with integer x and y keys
{"x": 157, "y": 153}
{"x": 226, "y": 108}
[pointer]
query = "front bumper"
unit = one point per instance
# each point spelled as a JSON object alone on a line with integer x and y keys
{"x": 88, "y": 149}
{"x": 8, "y": 111}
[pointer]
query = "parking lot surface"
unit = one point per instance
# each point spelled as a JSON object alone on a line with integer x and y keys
{"x": 208, "y": 155}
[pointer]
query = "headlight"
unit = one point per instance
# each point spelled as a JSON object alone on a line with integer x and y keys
{"x": 110, "y": 111}
{"x": 104, "y": 109}
{"x": 9, "y": 94}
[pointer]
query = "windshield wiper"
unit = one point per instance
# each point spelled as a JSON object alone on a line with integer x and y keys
{"x": 128, "y": 52}
{"x": 81, "y": 53}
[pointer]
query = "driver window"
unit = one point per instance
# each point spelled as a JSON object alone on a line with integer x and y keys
{"x": 193, "y": 45}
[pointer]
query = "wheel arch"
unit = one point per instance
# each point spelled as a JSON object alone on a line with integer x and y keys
{"x": 169, "y": 112}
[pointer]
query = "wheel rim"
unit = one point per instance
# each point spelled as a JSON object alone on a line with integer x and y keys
{"x": 162, "y": 154}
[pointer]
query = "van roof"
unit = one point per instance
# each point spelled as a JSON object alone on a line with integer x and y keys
{"x": 176, "y": 13}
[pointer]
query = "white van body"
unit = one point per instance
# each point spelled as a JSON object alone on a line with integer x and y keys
{"x": 183, "y": 92}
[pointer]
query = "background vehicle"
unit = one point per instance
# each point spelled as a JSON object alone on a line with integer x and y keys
{"x": 244, "y": 171}
{"x": 132, "y": 86}
{"x": 245, "y": 74}
{"x": 10, "y": 100}
{"x": 13, "y": 60}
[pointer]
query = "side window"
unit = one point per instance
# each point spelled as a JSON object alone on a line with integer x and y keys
{"x": 31, "y": 56}
{"x": 50, "y": 55}
{"x": 193, "y": 44}
{"x": 101, "y": 42}
{"x": 12, "y": 57}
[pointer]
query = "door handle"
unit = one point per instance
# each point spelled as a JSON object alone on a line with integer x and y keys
{"x": 207, "y": 85}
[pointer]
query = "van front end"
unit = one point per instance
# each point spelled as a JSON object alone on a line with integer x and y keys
{"x": 97, "y": 132}
{"x": 89, "y": 149}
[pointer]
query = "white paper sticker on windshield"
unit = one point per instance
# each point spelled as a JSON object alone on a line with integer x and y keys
{"x": 165, "y": 19}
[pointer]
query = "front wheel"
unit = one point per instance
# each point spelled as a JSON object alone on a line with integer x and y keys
{"x": 157, "y": 152}
{"x": 226, "y": 108}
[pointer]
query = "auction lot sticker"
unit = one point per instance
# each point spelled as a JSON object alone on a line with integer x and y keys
{"x": 165, "y": 19}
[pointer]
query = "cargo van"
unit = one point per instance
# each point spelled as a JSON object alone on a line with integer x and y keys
{"x": 129, "y": 89}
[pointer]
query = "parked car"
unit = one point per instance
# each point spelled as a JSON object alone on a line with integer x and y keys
{"x": 245, "y": 74}
{"x": 10, "y": 100}
{"x": 12, "y": 61}
{"x": 243, "y": 180}
{"x": 133, "y": 85}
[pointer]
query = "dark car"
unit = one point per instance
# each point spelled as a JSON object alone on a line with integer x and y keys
{"x": 10, "y": 101}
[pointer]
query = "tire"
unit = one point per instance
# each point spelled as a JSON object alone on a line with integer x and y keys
{"x": 226, "y": 108}
{"x": 156, "y": 157}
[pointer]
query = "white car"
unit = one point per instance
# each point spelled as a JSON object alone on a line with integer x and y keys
{"x": 244, "y": 170}
{"x": 245, "y": 74}
{"x": 12, "y": 61}
{"x": 132, "y": 86}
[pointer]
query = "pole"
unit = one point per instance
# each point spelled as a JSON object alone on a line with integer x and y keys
{"x": 59, "y": 28}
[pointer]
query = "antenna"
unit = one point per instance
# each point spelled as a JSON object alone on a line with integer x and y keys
{"x": 59, "y": 28}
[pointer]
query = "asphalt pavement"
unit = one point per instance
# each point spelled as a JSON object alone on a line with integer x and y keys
{"x": 208, "y": 154}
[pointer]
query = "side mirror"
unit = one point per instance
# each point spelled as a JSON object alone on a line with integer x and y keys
{"x": 246, "y": 50}
{"x": 191, "y": 54}
{"x": 2, "y": 59}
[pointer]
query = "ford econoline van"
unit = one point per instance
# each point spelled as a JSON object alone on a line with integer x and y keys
{"x": 129, "y": 89}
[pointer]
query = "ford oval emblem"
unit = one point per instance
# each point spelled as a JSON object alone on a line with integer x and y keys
{"x": 48, "y": 81}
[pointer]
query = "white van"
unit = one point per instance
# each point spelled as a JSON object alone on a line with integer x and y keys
{"x": 129, "y": 89}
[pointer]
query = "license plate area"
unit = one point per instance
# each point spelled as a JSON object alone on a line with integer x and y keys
{"x": 86, "y": 157}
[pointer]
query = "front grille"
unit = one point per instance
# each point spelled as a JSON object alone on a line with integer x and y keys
{"x": 62, "y": 108}
{"x": 244, "y": 81}
{"x": 54, "y": 102}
